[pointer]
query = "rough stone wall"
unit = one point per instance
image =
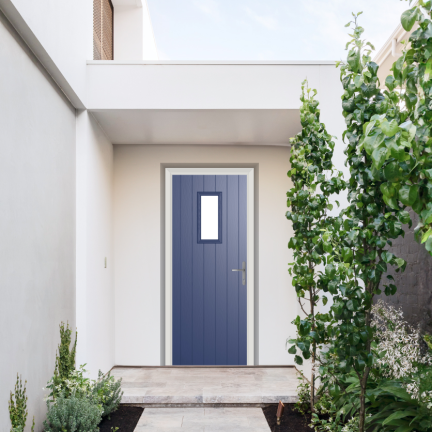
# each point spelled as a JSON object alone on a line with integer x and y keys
{"x": 414, "y": 286}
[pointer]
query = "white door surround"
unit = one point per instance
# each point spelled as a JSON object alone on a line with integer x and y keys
{"x": 249, "y": 172}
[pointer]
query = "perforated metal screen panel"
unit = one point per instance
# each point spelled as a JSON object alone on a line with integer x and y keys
{"x": 103, "y": 30}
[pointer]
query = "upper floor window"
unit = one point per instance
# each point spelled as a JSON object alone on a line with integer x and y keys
{"x": 103, "y": 30}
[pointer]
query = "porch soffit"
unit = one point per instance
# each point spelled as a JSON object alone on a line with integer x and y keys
{"x": 211, "y": 127}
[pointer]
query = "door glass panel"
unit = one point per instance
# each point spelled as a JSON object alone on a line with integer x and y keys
{"x": 209, "y": 217}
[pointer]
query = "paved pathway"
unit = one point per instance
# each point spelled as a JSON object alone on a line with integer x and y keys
{"x": 146, "y": 385}
{"x": 202, "y": 420}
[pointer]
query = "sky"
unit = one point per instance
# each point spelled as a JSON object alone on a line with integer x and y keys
{"x": 266, "y": 29}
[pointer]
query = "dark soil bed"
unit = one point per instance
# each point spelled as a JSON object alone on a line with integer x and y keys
{"x": 292, "y": 421}
{"x": 125, "y": 418}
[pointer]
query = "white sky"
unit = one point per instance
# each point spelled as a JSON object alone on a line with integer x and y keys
{"x": 266, "y": 29}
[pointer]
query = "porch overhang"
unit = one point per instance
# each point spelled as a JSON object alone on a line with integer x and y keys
{"x": 216, "y": 103}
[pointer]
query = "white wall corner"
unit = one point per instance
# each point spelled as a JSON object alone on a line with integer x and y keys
{"x": 81, "y": 234}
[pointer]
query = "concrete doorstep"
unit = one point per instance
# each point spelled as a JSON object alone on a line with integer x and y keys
{"x": 207, "y": 387}
{"x": 202, "y": 420}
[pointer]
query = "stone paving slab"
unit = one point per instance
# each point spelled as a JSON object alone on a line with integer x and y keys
{"x": 207, "y": 385}
{"x": 202, "y": 420}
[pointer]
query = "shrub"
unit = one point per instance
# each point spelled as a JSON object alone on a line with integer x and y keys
{"x": 326, "y": 417}
{"x": 303, "y": 391}
{"x": 76, "y": 384}
{"x": 108, "y": 392}
{"x": 72, "y": 414}
{"x": 403, "y": 354}
{"x": 65, "y": 362}
{"x": 18, "y": 408}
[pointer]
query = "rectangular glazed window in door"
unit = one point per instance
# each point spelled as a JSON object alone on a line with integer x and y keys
{"x": 103, "y": 30}
{"x": 209, "y": 269}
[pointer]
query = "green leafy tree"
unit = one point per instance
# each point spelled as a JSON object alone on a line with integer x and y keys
{"x": 409, "y": 165}
{"x": 359, "y": 258}
{"x": 309, "y": 199}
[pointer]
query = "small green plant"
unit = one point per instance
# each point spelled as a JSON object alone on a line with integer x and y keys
{"x": 18, "y": 408}
{"x": 72, "y": 414}
{"x": 326, "y": 417}
{"x": 65, "y": 361}
{"x": 76, "y": 384}
{"x": 303, "y": 391}
{"x": 114, "y": 429}
{"x": 108, "y": 392}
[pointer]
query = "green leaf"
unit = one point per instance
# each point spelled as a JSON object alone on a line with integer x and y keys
{"x": 408, "y": 194}
{"x": 428, "y": 71}
{"x": 330, "y": 271}
{"x": 389, "y": 82}
{"x": 389, "y": 128}
{"x": 327, "y": 247}
{"x": 404, "y": 217}
{"x": 426, "y": 235}
{"x": 304, "y": 328}
{"x": 400, "y": 262}
{"x": 354, "y": 60}
{"x": 398, "y": 415}
{"x": 347, "y": 255}
{"x": 298, "y": 360}
{"x": 387, "y": 256}
{"x": 408, "y": 18}
{"x": 404, "y": 428}
{"x": 354, "y": 338}
{"x": 379, "y": 156}
{"x": 428, "y": 245}
{"x": 292, "y": 350}
{"x": 392, "y": 171}
{"x": 373, "y": 141}
{"x": 352, "y": 305}
{"x": 324, "y": 300}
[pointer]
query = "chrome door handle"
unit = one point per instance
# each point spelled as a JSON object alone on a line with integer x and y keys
{"x": 243, "y": 270}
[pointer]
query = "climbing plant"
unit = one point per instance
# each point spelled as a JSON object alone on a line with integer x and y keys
{"x": 359, "y": 256}
{"x": 409, "y": 168}
{"x": 314, "y": 180}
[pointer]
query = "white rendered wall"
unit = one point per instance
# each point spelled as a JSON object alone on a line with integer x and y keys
{"x": 95, "y": 289}
{"x": 138, "y": 239}
{"x": 211, "y": 85}
{"x": 37, "y": 223}
{"x": 64, "y": 29}
{"x": 133, "y": 32}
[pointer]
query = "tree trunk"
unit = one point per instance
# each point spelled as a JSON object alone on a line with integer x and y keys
{"x": 312, "y": 386}
{"x": 362, "y": 413}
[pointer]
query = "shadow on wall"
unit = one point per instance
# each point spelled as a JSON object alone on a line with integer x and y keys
{"x": 414, "y": 286}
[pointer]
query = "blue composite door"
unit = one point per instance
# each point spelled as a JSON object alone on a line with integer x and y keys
{"x": 209, "y": 242}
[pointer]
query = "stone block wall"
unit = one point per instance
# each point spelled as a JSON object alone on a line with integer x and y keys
{"x": 414, "y": 286}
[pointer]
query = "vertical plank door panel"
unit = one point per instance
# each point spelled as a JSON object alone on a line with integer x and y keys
{"x": 209, "y": 300}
